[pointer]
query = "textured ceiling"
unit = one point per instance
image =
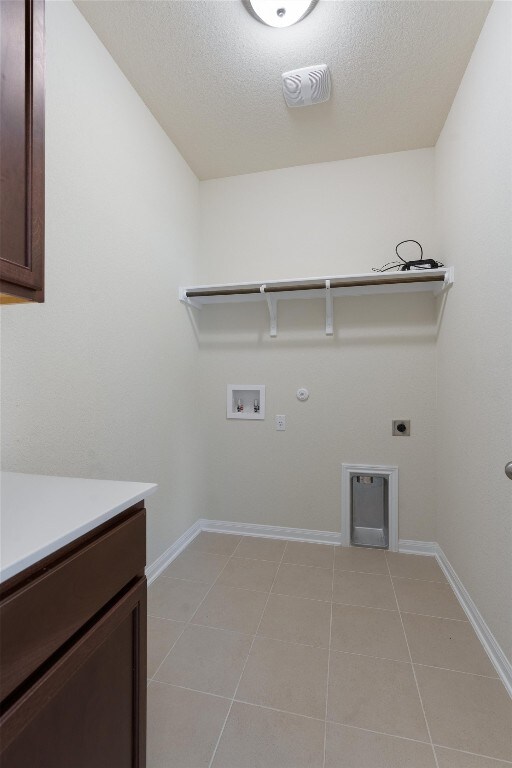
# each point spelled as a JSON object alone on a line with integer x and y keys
{"x": 211, "y": 75}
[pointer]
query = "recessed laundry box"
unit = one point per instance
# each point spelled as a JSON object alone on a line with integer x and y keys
{"x": 369, "y": 506}
{"x": 245, "y": 401}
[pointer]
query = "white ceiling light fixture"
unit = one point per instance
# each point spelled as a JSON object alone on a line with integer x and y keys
{"x": 279, "y": 13}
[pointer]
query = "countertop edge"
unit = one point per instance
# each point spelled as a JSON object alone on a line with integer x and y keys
{"x": 13, "y": 569}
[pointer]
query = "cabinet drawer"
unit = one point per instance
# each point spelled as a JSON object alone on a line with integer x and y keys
{"x": 38, "y": 618}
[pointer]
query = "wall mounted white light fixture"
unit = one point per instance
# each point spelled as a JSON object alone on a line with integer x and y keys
{"x": 279, "y": 13}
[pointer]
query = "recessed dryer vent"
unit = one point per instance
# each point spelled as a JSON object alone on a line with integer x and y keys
{"x": 369, "y": 511}
{"x": 369, "y": 506}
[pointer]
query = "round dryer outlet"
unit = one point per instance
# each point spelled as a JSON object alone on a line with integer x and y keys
{"x": 302, "y": 394}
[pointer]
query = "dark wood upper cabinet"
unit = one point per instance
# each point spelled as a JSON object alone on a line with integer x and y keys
{"x": 22, "y": 151}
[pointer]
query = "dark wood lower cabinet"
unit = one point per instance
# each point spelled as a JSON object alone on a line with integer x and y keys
{"x": 85, "y": 706}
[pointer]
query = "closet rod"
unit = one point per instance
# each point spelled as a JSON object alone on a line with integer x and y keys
{"x": 412, "y": 277}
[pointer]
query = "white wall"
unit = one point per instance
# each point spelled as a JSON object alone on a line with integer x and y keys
{"x": 105, "y": 379}
{"x": 97, "y": 381}
{"x": 334, "y": 218}
{"x": 327, "y": 218}
{"x": 474, "y": 212}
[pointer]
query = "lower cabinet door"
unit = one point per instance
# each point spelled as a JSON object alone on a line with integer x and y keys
{"x": 89, "y": 709}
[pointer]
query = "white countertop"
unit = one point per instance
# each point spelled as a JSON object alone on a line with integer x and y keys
{"x": 41, "y": 513}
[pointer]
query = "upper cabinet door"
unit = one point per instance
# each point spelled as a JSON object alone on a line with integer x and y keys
{"x": 22, "y": 151}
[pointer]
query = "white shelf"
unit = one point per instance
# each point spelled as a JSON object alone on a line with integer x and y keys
{"x": 433, "y": 280}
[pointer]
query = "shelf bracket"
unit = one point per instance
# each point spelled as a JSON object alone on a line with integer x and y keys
{"x": 186, "y": 300}
{"x": 272, "y": 310}
{"x": 447, "y": 282}
{"x": 328, "y": 309}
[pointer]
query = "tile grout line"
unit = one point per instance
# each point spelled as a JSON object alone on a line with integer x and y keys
{"x": 319, "y": 647}
{"x": 326, "y": 647}
{"x": 233, "y": 554}
{"x": 413, "y": 670}
{"x": 304, "y": 597}
{"x": 418, "y": 741}
{"x": 425, "y": 581}
{"x": 333, "y": 722}
{"x": 187, "y": 623}
{"x": 192, "y": 690}
{"x": 329, "y": 656}
{"x": 302, "y": 565}
{"x": 379, "y": 733}
{"x": 152, "y": 678}
{"x": 233, "y": 699}
{"x": 190, "y": 621}
{"x": 301, "y": 597}
{"x": 276, "y": 709}
{"x": 458, "y": 671}
{"x": 475, "y": 754}
{"x": 246, "y": 660}
{"x": 433, "y": 616}
{"x": 314, "y": 599}
{"x": 275, "y": 639}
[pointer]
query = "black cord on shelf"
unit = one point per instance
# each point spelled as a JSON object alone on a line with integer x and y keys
{"x": 408, "y": 241}
{"x": 389, "y": 267}
{"x": 406, "y": 265}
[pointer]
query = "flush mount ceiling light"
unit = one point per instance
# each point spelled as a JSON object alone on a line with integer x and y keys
{"x": 279, "y": 13}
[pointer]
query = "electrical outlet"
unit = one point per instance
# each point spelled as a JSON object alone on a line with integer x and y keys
{"x": 401, "y": 427}
{"x": 280, "y": 423}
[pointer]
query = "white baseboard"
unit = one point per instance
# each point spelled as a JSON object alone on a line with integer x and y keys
{"x": 500, "y": 662}
{"x": 429, "y": 548}
{"x": 417, "y": 547}
{"x": 272, "y": 531}
{"x": 160, "y": 564}
{"x": 241, "y": 529}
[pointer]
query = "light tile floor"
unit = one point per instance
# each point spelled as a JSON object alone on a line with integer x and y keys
{"x": 274, "y": 654}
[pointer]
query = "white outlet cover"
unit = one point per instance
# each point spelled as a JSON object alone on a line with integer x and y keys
{"x": 302, "y": 394}
{"x": 280, "y": 423}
